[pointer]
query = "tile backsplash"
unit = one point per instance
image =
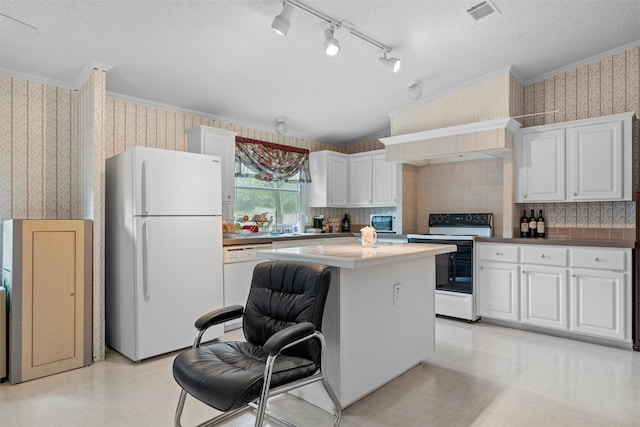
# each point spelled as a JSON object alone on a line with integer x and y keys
{"x": 359, "y": 216}
{"x": 585, "y": 220}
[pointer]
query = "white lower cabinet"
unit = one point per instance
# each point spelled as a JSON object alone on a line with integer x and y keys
{"x": 544, "y": 296}
{"x": 498, "y": 290}
{"x": 584, "y": 291}
{"x": 599, "y": 304}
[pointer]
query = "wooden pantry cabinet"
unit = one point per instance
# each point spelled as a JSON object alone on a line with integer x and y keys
{"x": 47, "y": 269}
{"x": 581, "y": 160}
{"x": 579, "y": 291}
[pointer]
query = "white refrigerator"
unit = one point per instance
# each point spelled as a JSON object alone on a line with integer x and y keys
{"x": 163, "y": 249}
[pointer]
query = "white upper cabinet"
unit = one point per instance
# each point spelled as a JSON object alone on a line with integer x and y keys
{"x": 595, "y": 161}
{"x": 357, "y": 180}
{"x": 329, "y": 175}
{"x": 372, "y": 180}
{"x": 384, "y": 180}
{"x": 541, "y": 166}
{"x": 221, "y": 143}
{"x": 360, "y": 180}
{"x": 582, "y": 160}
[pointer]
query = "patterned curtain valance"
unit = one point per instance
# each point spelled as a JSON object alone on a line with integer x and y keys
{"x": 271, "y": 162}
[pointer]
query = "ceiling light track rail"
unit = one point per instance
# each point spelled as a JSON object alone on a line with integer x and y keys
{"x": 282, "y": 23}
{"x": 338, "y": 24}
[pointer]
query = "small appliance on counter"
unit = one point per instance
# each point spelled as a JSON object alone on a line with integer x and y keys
{"x": 317, "y": 222}
{"x": 383, "y": 223}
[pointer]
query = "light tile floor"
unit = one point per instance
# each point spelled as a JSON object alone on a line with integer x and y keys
{"x": 481, "y": 375}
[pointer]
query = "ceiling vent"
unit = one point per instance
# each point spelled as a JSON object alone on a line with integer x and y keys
{"x": 481, "y": 10}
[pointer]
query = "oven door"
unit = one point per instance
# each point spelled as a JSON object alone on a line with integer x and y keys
{"x": 454, "y": 271}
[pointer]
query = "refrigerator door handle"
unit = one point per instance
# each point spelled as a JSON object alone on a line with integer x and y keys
{"x": 145, "y": 189}
{"x": 145, "y": 262}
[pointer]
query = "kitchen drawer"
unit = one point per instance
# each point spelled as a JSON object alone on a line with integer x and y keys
{"x": 498, "y": 253}
{"x": 544, "y": 255}
{"x": 601, "y": 258}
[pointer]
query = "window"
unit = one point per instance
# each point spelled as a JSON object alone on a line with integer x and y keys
{"x": 254, "y": 196}
{"x": 268, "y": 180}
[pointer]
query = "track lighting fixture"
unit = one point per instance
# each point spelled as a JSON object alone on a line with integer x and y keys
{"x": 415, "y": 90}
{"x": 392, "y": 64}
{"x": 331, "y": 45}
{"x": 282, "y": 23}
{"x": 281, "y": 126}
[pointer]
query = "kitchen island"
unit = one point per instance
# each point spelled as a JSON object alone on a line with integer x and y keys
{"x": 379, "y": 318}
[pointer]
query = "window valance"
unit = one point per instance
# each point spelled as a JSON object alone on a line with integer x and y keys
{"x": 271, "y": 162}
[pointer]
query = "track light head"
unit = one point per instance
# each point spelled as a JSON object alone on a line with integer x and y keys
{"x": 281, "y": 126}
{"x": 282, "y": 23}
{"x": 415, "y": 90}
{"x": 331, "y": 45}
{"x": 392, "y": 64}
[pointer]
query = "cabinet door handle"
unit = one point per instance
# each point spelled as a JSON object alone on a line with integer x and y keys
{"x": 497, "y": 253}
{"x": 542, "y": 256}
{"x": 573, "y": 275}
{"x": 596, "y": 259}
{"x": 481, "y": 268}
{"x": 524, "y": 271}
{"x": 524, "y": 196}
{"x": 574, "y": 194}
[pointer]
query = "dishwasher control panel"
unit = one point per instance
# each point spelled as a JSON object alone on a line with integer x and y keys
{"x": 233, "y": 254}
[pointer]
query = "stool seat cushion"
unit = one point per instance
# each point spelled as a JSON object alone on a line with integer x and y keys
{"x": 229, "y": 375}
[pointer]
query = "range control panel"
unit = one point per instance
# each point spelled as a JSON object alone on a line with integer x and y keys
{"x": 461, "y": 220}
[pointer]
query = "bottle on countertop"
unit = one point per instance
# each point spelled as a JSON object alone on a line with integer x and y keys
{"x": 346, "y": 224}
{"x": 533, "y": 225}
{"x": 524, "y": 224}
{"x": 540, "y": 225}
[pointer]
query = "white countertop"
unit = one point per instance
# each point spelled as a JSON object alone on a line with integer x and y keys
{"x": 353, "y": 255}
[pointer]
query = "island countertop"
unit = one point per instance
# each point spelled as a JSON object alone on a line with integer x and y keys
{"x": 354, "y": 255}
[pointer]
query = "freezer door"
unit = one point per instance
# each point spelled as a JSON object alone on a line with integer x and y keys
{"x": 170, "y": 182}
{"x": 178, "y": 278}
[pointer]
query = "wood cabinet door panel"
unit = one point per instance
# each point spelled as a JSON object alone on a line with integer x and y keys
{"x": 54, "y": 288}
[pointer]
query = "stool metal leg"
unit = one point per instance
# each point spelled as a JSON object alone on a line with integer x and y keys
{"x": 264, "y": 395}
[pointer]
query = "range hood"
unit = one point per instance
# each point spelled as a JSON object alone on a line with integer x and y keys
{"x": 472, "y": 141}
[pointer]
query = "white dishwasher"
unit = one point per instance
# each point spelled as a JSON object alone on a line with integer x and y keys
{"x": 239, "y": 262}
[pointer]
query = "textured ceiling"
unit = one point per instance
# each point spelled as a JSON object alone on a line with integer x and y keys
{"x": 221, "y": 58}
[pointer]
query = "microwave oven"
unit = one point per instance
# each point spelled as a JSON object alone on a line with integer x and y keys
{"x": 383, "y": 223}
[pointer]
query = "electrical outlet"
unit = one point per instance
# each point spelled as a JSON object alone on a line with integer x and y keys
{"x": 396, "y": 293}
